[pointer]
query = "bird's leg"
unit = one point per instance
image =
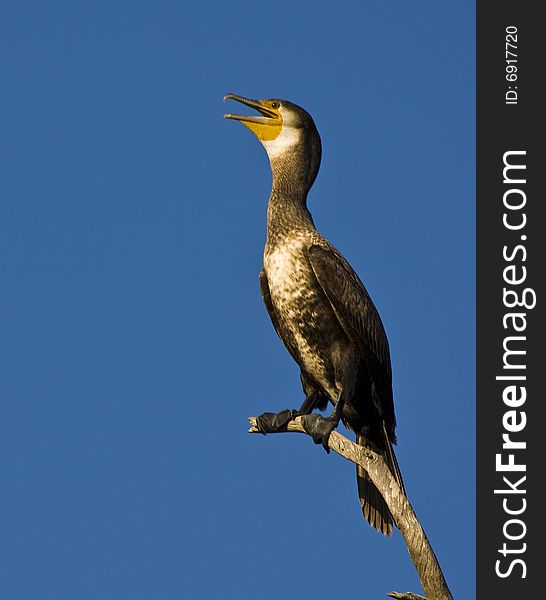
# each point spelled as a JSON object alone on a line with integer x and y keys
{"x": 320, "y": 428}
{"x": 275, "y": 422}
{"x": 309, "y": 404}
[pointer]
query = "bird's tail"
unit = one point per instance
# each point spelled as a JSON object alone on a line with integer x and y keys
{"x": 374, "y": 508}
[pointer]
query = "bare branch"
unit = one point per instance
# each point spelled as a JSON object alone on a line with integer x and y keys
{"x": 406, "y": 596}
{"x": 419, "y": 548}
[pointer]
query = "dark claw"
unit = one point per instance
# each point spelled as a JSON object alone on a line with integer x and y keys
{"x": 274, "y": 422}
{"x": 319, "y": 428}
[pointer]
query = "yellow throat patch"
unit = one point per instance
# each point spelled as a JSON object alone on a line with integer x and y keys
{"x": 265, "y": 132}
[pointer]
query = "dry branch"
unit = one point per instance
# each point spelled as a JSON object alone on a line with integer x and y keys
{"x": 406, "y": 596}
{"x": 419, "y": 548}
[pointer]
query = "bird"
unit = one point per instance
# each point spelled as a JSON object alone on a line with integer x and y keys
{"x": 319, "y": 307}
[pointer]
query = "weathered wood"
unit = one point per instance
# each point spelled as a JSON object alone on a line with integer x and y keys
{"x": 419, "y": 548}
{"x": 406, "y": 596}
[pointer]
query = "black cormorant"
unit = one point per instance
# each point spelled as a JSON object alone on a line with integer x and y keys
{"x": 319, "y": 307}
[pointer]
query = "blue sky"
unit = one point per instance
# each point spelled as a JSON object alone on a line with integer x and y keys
{"x": 134, "y": 343}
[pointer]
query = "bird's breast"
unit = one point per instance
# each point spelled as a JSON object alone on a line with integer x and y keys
{"x": 308, "y": 326}
{"x": 288, "y": 272}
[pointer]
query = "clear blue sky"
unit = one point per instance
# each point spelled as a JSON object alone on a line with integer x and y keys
{"x": 134, "y": 343}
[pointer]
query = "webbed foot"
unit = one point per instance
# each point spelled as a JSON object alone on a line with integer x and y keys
{"x": 275, "y": 422}
{"x": 319, "y": 428}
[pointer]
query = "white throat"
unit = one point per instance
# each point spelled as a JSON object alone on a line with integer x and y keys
{"x": 287, "y": 138}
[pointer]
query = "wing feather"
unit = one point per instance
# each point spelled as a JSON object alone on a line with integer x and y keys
{"x": 358, "y": 317}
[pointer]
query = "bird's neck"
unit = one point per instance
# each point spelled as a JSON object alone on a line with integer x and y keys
{"x": 287, "y": 208}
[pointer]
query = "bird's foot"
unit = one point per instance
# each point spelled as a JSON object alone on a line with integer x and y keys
{"x": 275, "y": 422}
{"x": 319, "y": 428}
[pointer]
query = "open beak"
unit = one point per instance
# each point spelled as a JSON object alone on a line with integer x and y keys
{"x": 269, "y": 116}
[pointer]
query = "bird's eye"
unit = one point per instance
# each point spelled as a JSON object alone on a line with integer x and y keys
{"x": 275, "y": 105}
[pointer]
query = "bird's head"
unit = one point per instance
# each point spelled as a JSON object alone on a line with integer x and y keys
{"x": 287, "y": 132}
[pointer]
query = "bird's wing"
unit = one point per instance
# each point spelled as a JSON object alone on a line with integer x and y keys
{"x": 357, "y": 315}
{"x": 266, "y": 296}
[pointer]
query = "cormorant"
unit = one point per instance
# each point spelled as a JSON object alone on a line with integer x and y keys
{"x": 319, "y": 307}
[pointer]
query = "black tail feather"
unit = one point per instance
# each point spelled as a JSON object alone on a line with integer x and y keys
{"x": 374, "y": 508}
